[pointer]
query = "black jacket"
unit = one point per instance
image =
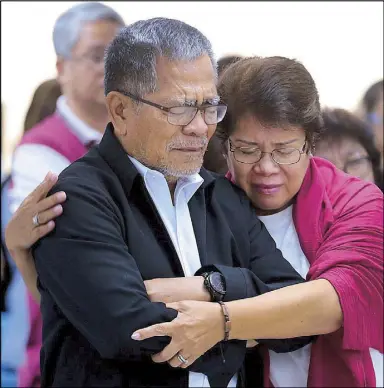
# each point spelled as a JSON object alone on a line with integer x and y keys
{"x": 107, "y": 241}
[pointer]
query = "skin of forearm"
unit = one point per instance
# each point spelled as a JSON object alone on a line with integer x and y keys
{"x": 311, "y": 308}
{"x": 27, "y": 270}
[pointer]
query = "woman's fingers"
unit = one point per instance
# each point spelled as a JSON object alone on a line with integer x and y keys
{"x": 158, "y": 330}
{"x": 176, "y": 363}
{"x": 41, "y": 230}
{"x": 49, "y": 214}
{"x": 191, "y": 360}
{"x": 50, "y": 202}
{"x": 43, "y": 188}
{"x": 167, "y": 353}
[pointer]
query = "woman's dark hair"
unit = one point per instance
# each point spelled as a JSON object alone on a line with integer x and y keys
{"x": 372, "y": 97}
{"x": 43, "y": 103}
{"x": 278, "y": 91}
{"x": 225, "y": 62}
{"x": 340, "y": 124}
{"x": 214, "y": 159}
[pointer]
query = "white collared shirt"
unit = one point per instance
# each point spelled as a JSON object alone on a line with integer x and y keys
{"x": 177, "y": 220}
{"x": 31, "y": 162}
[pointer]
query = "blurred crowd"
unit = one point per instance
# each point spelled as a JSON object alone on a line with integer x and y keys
{"x": 351, "y": 140}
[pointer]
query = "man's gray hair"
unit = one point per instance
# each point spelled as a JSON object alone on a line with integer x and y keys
{"x": 130, "y": 62}
{"x": 67, "y": 29}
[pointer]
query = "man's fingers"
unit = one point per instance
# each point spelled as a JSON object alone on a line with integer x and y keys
{"x": 50, "y": 202}
{"x": 158, "y": 330}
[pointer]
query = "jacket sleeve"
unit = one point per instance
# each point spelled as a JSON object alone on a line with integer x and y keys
{"x": 85, "y": 265}
{"x": 268, "y": 271}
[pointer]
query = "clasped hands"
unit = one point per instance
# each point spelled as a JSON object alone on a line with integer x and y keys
{"x": 198, "y": 326}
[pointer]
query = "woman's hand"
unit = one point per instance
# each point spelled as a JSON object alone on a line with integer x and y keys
{"x": 197, "y": 328}
{"x": 21, "y": 232}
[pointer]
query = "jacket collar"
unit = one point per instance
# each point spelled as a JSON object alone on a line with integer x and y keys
{"x": 114, "y": 154}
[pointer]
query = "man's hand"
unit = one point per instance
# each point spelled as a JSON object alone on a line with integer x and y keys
{"x": 171, "y": 290}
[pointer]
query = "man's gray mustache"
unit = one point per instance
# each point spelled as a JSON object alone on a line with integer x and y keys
{"x": 195, "y": 144}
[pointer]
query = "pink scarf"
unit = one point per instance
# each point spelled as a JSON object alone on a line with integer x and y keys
{"x": 339, "y": 221}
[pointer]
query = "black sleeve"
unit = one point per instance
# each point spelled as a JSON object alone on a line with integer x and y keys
{"x": 268, "y": 271}
{"x": 85, "y": 266}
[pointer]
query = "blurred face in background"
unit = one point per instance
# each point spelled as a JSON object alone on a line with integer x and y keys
{"x": 348, "y": 155}
{"x": 82, "y": 75}
{"x": 270, "y": 186}
{"x": 378, "y": 124}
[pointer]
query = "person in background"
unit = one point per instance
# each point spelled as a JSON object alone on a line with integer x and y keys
{"x": 43, "y": 103}
{"x": 80, "y": 37}
{"x": 371, "y": 110}
{"x": 328, "y": 225}
{"x": 214, "y": 158}
{"x": 347, "y": 142}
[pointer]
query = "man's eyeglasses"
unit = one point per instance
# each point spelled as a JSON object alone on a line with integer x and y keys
{"x": 252, "y": 155}
{"x": 183, "y": 115}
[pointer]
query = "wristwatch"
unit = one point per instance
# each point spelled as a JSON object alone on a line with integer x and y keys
{"x": 214, "y": 282}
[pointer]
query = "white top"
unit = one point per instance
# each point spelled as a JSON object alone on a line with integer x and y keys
{"x": 291, "y": 369}
{"x": 177, "y": 220}
{"x": 31, "y": 162}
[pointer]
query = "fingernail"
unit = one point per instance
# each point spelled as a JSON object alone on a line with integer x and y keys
{"x": 135, "y": 336}
{"x": 61, "y": 196}
{"x": 51, "y": 224}
{"x": 58, "y": 209}
{"x": 52, "y": 176}
{"x": 48, "y": 176}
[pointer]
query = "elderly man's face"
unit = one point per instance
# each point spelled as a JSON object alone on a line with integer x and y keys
{"x": 174, "y": 150}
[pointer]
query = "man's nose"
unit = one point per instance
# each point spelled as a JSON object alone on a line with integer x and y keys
{"x": 197, "y": 126}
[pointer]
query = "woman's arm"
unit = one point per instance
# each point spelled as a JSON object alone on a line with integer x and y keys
{"x": 21, "y": 233}
{"x": 305, "y": 309}
{"x": 24, "y": 261}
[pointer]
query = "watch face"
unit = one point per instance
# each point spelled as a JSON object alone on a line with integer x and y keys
{"x": 217, "y": 282}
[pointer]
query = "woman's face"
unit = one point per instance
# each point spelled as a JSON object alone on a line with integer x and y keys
{"x": 269, "y": 185}
{"x": 347, "y": 155}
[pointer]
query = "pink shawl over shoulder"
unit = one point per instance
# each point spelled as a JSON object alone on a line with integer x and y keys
{"x": 339, "y": 221}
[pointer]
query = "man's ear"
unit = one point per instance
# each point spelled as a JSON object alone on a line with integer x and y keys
{"x": 118, "y": 107}
{"x": 60, "y": 68}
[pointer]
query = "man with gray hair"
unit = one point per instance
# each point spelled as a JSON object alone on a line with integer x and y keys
{"x": 144, "y": 225}
{"x": 80, "y": 36}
